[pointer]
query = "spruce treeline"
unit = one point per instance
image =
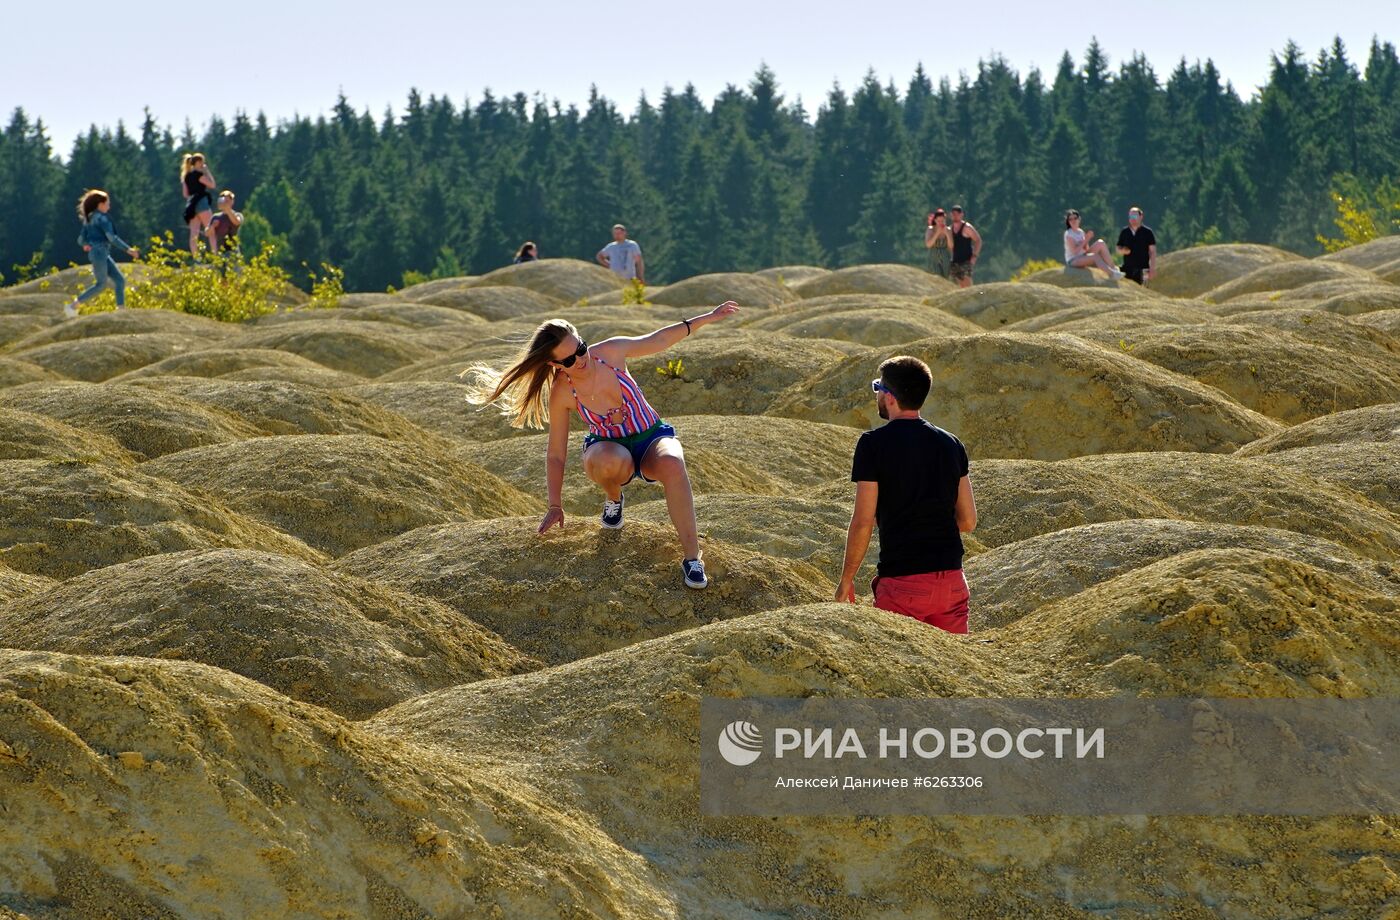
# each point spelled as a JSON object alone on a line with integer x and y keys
{"x": 752, "y": 179}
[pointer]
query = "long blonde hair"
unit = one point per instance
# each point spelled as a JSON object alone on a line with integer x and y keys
{"x": 188, "y": 163}
{"x": 521, "y": 390}
{"x": 89, "y": 202}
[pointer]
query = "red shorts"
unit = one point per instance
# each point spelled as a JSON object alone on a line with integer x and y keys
{"x": 936, "y": 598}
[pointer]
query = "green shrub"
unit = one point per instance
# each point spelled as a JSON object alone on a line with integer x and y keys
{"x": 228, "y": 287}
{"x": 1363, "y": 214}
{"x": 635, "y": 294}
{"x": 1032, "y": 266}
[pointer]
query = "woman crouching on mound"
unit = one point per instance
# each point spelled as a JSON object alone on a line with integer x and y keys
{"x": 626, "y": 437}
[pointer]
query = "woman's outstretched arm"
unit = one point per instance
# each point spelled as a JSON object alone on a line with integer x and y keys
{"x": 666, "y": 336}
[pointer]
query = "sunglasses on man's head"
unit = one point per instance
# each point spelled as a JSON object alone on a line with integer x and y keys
{"x": 877, "y": 387}
{"x": 569, "y": 361}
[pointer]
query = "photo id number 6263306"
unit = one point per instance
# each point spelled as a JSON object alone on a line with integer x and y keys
{"x": 947, "y": 782}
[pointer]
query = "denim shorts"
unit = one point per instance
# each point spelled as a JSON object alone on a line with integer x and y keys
{"x": 637, "y": 445}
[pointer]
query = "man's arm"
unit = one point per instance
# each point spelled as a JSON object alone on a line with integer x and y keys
{"x": 858, "y": 538}
{"x": 640, "y": 272}
{"x": 1152, "y": 260}
{"x": 1124, "y": 243}
{"x": 976, "y": 242}
{"x": 602, "y": 258}
{"x": 965, "y": 509}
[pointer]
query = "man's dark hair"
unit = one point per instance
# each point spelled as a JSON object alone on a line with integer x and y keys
{"x": 908, "y": 379}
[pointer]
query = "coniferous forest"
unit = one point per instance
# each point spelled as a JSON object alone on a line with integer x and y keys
{"x": 751, "y": 179}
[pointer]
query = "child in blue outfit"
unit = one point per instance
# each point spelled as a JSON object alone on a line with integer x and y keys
{"x": 98, "y": 238}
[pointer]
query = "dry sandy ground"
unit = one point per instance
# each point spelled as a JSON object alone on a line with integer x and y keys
{"x": 278, "y": 638}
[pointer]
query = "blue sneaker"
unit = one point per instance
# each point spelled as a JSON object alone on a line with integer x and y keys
{"x": 612, "y": 513}
{"x": 694, "y": 571}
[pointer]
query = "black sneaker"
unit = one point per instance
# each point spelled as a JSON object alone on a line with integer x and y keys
{"x": 694, "y": 571}
{"x": 612, "y": 513}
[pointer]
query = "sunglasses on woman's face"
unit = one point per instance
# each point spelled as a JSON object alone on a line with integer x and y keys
{"x": 569, "y": 361}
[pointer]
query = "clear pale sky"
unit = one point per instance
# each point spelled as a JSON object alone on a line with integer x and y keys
{"x": 292, "y": 56}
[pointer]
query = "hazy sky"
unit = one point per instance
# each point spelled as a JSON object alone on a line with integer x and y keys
{"x": 293, "y": 56}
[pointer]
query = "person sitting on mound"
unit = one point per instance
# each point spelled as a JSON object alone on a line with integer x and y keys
{"x": 625, "y": 440}
{"x": 1080, "y": 253}
{"x": 911, "y": 479}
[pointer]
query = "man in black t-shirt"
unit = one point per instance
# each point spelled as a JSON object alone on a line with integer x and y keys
{"x": 1138, "y": 246}
{"x": 911, "y": 480}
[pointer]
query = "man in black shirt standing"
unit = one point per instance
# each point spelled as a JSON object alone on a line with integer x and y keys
{"x": 1138, "y": 246}
{"x": 911, "y": 480}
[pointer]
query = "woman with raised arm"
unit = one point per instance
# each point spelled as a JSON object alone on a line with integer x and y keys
{"x": 559, "y": 373}
{"x": 197, "y": 183}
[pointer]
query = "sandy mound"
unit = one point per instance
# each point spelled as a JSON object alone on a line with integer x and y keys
{"x": 711, "y": 290}
{"x": 1372, "y": 424}
{"x": 15, "y": 585}
{"x": 631, "y": 716}
{"x": 788, "y": 526}
{"x": 1387, "y": 321}
{"x": 1389, "y": 272}
{"x": 99, "y": 359}
{"x": 44, "y": 306}
{"x": 1288, "y": 276}
{"x": 874, "y": 279}
{"x": 731, "y": 372}
{"x": 342, "y": 492}
{"x": 133, "y": 322}
{"x": 341, "y": 346}
{"x": 1066, "y": 277}
{"x": 215, "y": 362}
{"x": 1192, "y": 272}
{"x": 416, "y": 316}
{"x": 26, "y": 436}
{"x": 63, "y": 518}
{"x": 1275, "y": 371}
{"x": 333, "y": 640}
{"x": 568, "y": 280}
{"x": 1107, "y": 323}
{"x": 18, "y": 327}
{"x": 1219, "y": 622}
{"x": 216, "y": 790}
{"x": 354, "y": 301}
{"x": 144, "y": 421}
{"x": 792, "y": 275}
{"x": 582, "y": 591}
{"x": 274, "y": 407}
{"x": 1367, "y": 468}
{"x": 494, "y": 303}
{"x": 1370, "y": 255}
{"x": 749, "y": 455}
{"x": 1020, "y": 499}
{"x": 1361, "y": 299}
{"x": 1229, "y": 490}
{"x": 865, "y": 319}
{"x": 992, "y": 305}
{"x": 14, "y": 373}
{"x": 440, "y": 407}
{"x": 1013, "y": 580}
{"x": 417, "y": 292}
{"x": 1039, "y": 395}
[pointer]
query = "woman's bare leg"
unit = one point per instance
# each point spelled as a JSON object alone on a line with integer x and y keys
{"x": 665, "y": 463}
{"x": 609, "y": 465}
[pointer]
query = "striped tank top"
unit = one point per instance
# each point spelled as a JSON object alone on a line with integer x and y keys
{"x": 634, "y": 416}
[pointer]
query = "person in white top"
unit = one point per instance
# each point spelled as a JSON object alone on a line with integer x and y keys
{"x": 1080, "y": 252}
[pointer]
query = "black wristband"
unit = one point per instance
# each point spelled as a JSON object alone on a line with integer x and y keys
{"x": 687, "y": 325}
